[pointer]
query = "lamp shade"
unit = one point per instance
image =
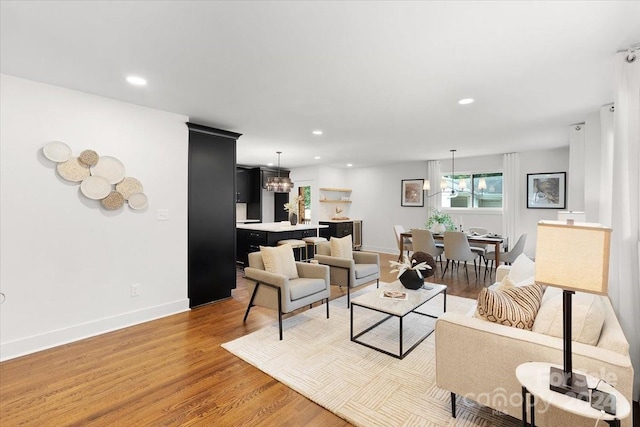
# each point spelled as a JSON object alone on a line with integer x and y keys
{"x": 573, "y": 257}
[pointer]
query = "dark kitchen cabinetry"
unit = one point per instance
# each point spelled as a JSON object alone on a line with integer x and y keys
{"x": 211, "y": 214}
{"x": 251, "y": 240}
{"x": 244, "y": 192}
{"x": 343, "y": 228}
{"x": 336, "y": 229}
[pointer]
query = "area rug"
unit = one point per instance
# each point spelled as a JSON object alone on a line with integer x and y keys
{"x": 363, "y": 386}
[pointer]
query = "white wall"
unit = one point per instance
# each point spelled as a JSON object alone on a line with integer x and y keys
{"x": 376, "y": 200}
{"x": 376, "y": 196}
{"x": 542, "y": 161}
{"x": 68, "y": 264}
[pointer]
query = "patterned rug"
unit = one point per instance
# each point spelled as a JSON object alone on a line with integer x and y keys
{"x": 365, "y": 387}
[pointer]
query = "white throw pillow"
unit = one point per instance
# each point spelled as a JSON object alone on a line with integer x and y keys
{"x": 279, "y": 260}
{"x": 587, "y": 317}
{"x": 522, "y": 269}
{"x": 508, "y": 282}
{"x": 342, "y": 247}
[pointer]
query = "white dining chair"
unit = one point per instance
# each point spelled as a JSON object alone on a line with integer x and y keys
{"x": 407, "y": 244}
{"x": 423, "y": 242}
{"x": 456, "y": 249}
{"x": 507, "y": 257}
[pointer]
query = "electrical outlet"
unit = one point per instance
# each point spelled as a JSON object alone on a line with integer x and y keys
{"x": 163, "y": 215}
{"x": 135, "y": 290}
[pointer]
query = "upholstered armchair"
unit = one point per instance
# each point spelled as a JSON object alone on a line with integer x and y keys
{"x": 351, "y": 270}
{"x": 284, "y": 291}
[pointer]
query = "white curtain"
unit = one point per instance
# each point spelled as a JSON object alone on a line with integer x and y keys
{"x": 606, "y": 165}
{"x": 575, "y": 199}
{"x": 511, "y": 196}
{"x": 624, "y": 273}
{"x": 434, "y": 175}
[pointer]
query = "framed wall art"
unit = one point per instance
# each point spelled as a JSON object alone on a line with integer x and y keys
{"x": 412, "y": 194}
{"x": 546, "y": 190}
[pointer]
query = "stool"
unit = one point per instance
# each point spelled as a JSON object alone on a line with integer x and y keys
{"x": 295, "y": 244}
{"x": 312, "y": 241}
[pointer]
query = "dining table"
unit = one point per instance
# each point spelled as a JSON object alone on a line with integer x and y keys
{"x": 474, "y": 239}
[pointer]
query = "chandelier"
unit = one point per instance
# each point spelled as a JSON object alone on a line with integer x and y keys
{"x": 279, "y": 184}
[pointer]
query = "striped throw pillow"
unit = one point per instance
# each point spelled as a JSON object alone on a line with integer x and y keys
{"x": 516, "y": 307}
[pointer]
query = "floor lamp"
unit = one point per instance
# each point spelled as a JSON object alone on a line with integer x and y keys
{"x": 575, "y": 257}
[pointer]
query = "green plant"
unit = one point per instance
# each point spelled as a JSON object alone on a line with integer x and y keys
{"x": 440, "y": 217}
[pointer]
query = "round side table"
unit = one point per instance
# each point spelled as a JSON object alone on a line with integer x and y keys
{"x": 534, "y": 379}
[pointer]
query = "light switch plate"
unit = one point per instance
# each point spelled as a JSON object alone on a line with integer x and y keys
{"x": 163, "y": 214}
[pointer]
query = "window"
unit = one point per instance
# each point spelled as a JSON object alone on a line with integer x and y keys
{"x": 481, "y": 190}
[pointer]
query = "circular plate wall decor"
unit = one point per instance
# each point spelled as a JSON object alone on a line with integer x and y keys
{"x": 95, "y": 187}
{"x": 113, "y": 201}
{"x": 72, "y": 170}
{"x": 129, "y": 186}
{"x": 109, "y": 168}
{"x": 138, "y": 201}
{"x": 57, "y": 151}
{"x": 89, "y": 158}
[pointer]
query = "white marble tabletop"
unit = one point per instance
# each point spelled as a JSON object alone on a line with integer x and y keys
{"x": 278, "y": 227}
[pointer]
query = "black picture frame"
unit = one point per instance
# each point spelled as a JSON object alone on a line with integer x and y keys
{"x": 412, "y": 194}
{"x": 547, "y": 190}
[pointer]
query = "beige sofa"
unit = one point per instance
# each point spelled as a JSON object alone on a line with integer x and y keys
{"x": 476, "y": 359}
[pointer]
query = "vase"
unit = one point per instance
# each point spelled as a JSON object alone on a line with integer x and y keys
{"x": 293, "y": 219}
{"x": 438, "y": 228}
{"x": 411, "y": 280}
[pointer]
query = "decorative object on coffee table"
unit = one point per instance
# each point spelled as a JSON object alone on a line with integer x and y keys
{"x": 410, "y": 272}
{"x": 411, "y": 280}
{"x": 423, "y": 257}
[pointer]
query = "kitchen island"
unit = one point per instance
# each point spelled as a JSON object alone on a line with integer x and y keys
{"x": 251, "y": 236}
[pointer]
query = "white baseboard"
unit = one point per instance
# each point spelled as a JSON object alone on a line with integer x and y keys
{"x": 32, "y": 344}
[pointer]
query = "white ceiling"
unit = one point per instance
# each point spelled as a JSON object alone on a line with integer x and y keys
{"x": 381, "y": 79}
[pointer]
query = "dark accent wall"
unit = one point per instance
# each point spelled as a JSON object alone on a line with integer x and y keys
{"x": 211, "y": 215}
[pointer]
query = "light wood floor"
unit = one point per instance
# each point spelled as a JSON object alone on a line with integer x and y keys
{"x": 167, "y": 372}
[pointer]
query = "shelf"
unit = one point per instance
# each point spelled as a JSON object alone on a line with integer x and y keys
{"x": 339, "y": 190}
{"x": 335, "y": 201}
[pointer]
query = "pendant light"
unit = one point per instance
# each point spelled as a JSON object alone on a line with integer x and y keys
{"x": 444, "y": 185}
{"x": 279, "y": 184}
{"x": 453, "y": 192}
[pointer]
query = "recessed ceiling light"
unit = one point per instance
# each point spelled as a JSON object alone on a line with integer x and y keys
{"x": 317, "y": 132}
{"x": 349, "y": 165}
{"x": 136, "y": 80}
{"x": 317, "y": 157}
{"x": 465, "y": 101}
{"x": 269, "y": 164}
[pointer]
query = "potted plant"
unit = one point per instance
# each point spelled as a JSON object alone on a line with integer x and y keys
{"x": 292, "y": 208}
{"x": 439, "y": 222}
{"x": 409, "y": 272}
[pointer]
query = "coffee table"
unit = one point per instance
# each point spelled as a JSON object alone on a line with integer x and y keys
{"x": 398, "y": 308}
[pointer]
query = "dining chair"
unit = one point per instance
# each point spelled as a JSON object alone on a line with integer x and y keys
{"x": 407, "y": 244}
{"x": 423, "y": 242}
{"x": 480, "y": 249}
{"x": 507, "y": 257}
{"x": 456, "y": 249}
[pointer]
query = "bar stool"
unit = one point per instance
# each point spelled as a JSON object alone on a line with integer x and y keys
{"x": 295, "y": 244}
{"x": 312, "y": 241}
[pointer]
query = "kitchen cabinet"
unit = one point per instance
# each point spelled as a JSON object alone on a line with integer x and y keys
{"x": 211, "y": 214}
{"x": 244, "y": 193}
{"x": 341, "y": 228}
{"x": 251, "y": 236}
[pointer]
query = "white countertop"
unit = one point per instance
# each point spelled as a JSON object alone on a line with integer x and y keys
{"x": 340, "y": 220}
{"x": 276, "y": 227}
